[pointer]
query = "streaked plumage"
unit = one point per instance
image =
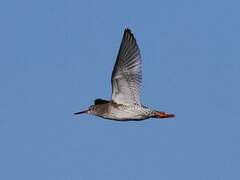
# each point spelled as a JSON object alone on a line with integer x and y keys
{"x": 126, "y": 81}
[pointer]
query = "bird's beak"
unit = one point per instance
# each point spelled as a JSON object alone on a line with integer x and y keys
{"x": 81, "y": 112}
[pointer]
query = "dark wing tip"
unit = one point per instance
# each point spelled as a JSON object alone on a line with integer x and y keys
{"x": 100, "y": 101}
{"x": 129, "y": 35}
{"x": 127, "y": 30}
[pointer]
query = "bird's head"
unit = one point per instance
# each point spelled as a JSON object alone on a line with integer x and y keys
{"x": 90, "y": 110}
{"x": 96, "y": 109}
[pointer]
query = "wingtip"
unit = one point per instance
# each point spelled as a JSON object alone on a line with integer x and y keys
{"x": 128, "y": 34}
{"x": 127, "y": 31}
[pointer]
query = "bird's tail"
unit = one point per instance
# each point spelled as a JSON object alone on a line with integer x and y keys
{"x": 159, "y": 114}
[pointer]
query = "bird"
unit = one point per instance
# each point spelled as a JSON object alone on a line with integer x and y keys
{"x": 126, "y": 79}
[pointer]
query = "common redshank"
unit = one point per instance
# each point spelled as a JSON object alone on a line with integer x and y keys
{"x": 126, "y": 80}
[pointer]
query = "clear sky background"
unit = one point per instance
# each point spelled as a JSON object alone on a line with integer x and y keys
{"x": 57, "y": 56}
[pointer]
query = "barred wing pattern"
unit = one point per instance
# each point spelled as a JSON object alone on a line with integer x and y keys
{"x": 127, "y": 72}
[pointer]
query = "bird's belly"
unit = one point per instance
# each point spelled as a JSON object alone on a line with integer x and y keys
{"x": 125, "y": 114}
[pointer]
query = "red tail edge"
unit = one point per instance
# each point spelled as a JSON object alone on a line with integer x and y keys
{"x": 163, "y": 115}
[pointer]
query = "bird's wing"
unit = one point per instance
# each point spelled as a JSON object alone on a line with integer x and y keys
{"x": 127, "y": 72}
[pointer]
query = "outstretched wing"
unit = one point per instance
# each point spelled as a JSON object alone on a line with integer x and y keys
{"x": 127, "y": 72}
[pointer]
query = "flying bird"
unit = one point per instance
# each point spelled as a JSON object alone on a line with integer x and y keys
{"x": 126, "y": 80}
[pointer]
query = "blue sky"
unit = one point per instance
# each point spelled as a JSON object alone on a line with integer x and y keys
{"x": 57, "y": 57}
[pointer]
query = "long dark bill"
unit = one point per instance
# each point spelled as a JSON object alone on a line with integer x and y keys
{"x": 81, "y": 112}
